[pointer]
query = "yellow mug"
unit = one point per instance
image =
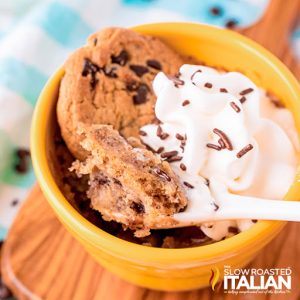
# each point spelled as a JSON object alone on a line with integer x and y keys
{"x": 171, "y": 269}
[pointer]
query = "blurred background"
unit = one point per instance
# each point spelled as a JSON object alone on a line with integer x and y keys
{"x": 36, "y": 36}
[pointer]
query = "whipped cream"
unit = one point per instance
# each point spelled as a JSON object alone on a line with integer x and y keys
{"x": 219, "y": 132}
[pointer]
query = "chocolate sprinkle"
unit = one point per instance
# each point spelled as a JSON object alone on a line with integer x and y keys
{"x": 244, "y": 151}
{"x": 169, "y": 154}
{"x": 224, "y": 137}
{"x": 177, "y": 82}
{"x": 164, "y": 136}
{"x": 207, "y": 181}
{"x": 254, "y": 221}
{"x": 216, "y": 206}
{"x": 235, "y": 107}
{"x": 160, "y": 150}
{"x": 185, "y": 102}
{"x": 162, "y": 174}
{"x": 143, "y": 133}
{"x": 221, "y": 143}
{"x": 152, "y": 63}
{"x": 179, "y": 137}
{"x": 120, "y": 59}
{"x": 174, "y": 158}
{"x": 213, "y": 146}
{"x": 246, "y": 91}
{"x": 141, "y": 96}
{"x": 159, "y": 131}
{"x": 139, "y": 70}
{"x": 243, "y": 99}
{"x": 188, "y": 185}
{"x": 208, "y": 85}
{"x": 198, "y": 71}
{"x": 182, "y": 167}
{"x": 223, "y": 90}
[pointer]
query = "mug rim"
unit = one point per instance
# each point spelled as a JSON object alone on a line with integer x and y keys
{"x": 109, "y": 243}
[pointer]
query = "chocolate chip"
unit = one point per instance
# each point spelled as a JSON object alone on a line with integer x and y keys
{"x": 120, "y": 59}
{"x": 92, "y": 69}
{"x": 22, "y": 166}
{"x": 139, "y": 70}
{"x": 231, "y": 23}
{"x": 100, "y": 179}
{"x": 14, "y": 202}
{"x": 138, "y": 207}
{"x": 89, "y": 68}
{"x": 216, "y": 11}
{"x": 93, "y": 82}
{"x": 22, "y": 163}
{"x": 117, "y": 181}
{"x": 111, "y": 73}
{"x": 131, "y": 86}
{"x": 22, "y": 152}
{"x": 233, "y": 230}
{"x": 152, "y": 63}
{"x": 141, "y": 96}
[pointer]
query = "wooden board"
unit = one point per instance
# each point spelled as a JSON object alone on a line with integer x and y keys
{"x": 41, "y": 260}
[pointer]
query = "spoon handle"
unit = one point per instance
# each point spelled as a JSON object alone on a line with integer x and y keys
{"x": 237, "y": 207}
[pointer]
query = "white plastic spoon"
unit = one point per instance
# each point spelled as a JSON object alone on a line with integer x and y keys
{"x": 236, "y": 207}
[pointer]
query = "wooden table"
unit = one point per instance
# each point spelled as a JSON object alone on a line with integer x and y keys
{"x": 41, "y": 260}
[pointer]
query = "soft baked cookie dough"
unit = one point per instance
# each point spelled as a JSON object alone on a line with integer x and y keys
{"x": 127, "y": 184}
{"x": 109, "y": 81}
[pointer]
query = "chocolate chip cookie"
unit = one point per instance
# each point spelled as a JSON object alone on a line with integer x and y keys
{"x": 129, "y": 185}
{"x": 109, "y": 80}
